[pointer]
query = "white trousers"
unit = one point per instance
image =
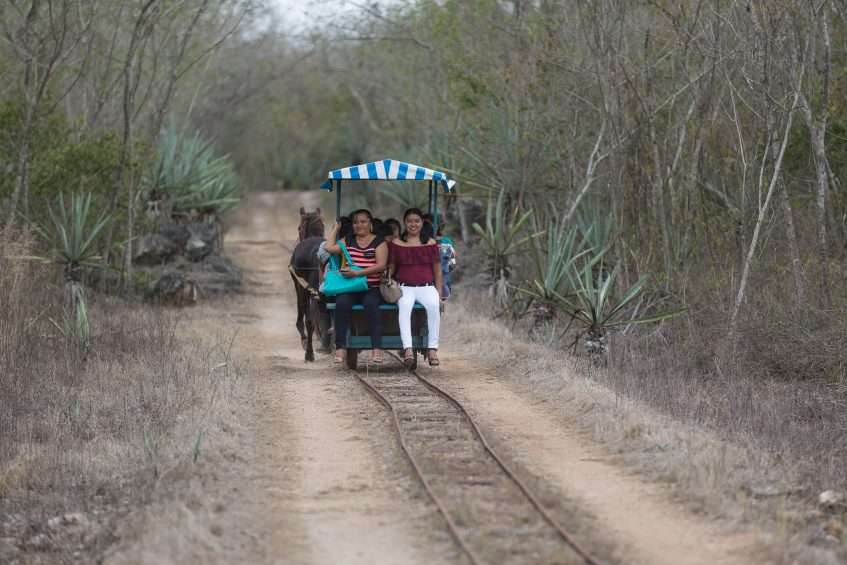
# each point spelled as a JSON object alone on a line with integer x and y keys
{"x": 427, "y": 296}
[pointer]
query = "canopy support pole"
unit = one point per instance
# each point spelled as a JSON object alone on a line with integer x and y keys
{"x": 338, "y": 198}
{"x": 435, "y": 208}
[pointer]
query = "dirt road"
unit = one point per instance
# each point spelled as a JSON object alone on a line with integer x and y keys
{"x": 321, "y": 478}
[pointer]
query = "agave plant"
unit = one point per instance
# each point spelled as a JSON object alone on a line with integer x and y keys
{"x": 502, "y": 235}
{"x": 191, "y": 178}
{"x": 404, "y": 194}
{"x": 75, "y": 244}
{"x": 217, "y": 196}
{"x": 595, "y": 227}
{"x": 552, "y": 266}
{"x": 594, "y": 307}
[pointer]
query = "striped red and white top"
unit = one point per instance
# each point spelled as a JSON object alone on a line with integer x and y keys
{"x": 365, "y": 257}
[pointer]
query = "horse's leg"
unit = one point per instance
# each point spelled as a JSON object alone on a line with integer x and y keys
{"x": 299, "y": 291}
{"x": 310, "y": 328}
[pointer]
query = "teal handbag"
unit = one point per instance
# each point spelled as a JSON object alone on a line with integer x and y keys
{"x": 335, "y": 283}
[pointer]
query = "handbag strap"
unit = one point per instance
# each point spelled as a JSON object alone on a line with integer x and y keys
{"x": 343, "y": 247}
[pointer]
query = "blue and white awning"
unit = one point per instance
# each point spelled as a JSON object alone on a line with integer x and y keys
{"x": 388, "y": 169}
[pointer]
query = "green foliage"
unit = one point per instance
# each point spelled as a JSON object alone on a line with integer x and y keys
{"x": 72, "y": 234}
{"x": 594, "y": 306}
{"x": 501, "y": 236}
{"x": 49, "y": 135}
{"x": 406, "y": 194}
{"x": 88, "y": 166}
{"x": 595, "y": 226}
{"x": 553, "y": 264}
{"x": 191, "y": 178}
{"x": 74, "y": 326}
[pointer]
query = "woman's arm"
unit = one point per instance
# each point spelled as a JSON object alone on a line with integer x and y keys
{"x": 392, "y": 261}
{"x": 332, "y": 240}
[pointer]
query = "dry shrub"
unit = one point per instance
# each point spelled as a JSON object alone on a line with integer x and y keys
{"x": 781, "y": 385}
{"x": 779, "y": 388}
{"x": 87, "y": 436}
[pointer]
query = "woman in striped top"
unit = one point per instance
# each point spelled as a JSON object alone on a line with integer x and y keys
{"x": 369, "y": 252}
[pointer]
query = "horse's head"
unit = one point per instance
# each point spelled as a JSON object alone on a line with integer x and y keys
{"x": 311, "y": 224}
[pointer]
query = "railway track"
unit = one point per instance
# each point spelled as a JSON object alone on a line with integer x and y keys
{"x": 490, "y": 512}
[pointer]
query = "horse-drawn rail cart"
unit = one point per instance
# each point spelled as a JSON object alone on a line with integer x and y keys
{"x": 358, "y": 337}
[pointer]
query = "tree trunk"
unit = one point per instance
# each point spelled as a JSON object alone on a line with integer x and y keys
{"x": 745, "y": 273}
{"x": 464, "y": 225}
{"x": 818, "y": 131}
{"x": 790, "y": 233}
{"x": 21, "y": 177}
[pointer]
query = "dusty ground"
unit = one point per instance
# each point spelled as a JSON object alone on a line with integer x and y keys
{"x": 318, "y": 477}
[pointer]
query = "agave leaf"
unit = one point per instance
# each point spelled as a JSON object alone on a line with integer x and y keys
{"x": 603, "y": 295}
{"x": 630, "y": 295}
{"x": 37, "y": 258}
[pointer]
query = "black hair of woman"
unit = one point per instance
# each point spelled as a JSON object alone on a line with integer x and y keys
{"x": 431, "y": 219}
{"x": 346, "y": 227}
{"x": 395, "y": 225}
{"x": 384, "y": 230}
{"x": 364, "y": 211}
{"x": 426, "y": 229}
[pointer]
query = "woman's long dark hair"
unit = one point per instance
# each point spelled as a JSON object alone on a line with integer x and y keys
{"x": 426, "y": 228}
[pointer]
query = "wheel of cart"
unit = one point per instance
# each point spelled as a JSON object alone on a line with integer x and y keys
{"x": 358, "y": 337}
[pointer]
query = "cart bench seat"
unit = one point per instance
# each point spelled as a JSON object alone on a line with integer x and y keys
{"x": 331, "y": 306}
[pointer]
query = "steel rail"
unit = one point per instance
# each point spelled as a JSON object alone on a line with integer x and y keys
{"x": 451, "y": 525}
{"x": 563, "y": 533}
{"x": 560, "y": 529}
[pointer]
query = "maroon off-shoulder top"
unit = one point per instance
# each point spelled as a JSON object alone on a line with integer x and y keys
{"x": 414, "y": 264}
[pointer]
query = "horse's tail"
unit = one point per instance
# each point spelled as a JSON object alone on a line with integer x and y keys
{"x": 314, "y": 314}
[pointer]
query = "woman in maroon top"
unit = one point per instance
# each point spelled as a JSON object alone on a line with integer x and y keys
{"x": 415, "y": 263}
{"x": 369, "y": 252}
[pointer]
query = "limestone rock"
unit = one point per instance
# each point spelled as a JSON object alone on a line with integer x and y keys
{"x": 831, "y": 499}
{"x": 175, "y": 232}
{"x": 175, "y": 288}
{"x": 201, "y": 240}
{"x": 154, "y": 249}
{"x": 219, "y": 275}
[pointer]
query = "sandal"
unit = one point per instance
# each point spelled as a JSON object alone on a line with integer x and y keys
{"x": 339, "y": 358}
{"x": 409, "y": 358}
{"x": 376, "y": 359}
{"x": 432, "y": 362}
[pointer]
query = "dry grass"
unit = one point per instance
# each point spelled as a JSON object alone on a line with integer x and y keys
{"x": 733, "y": 444}
{"x": 88, "y": 438}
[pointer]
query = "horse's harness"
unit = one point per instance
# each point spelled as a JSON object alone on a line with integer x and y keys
{"x": 302, "y": 282}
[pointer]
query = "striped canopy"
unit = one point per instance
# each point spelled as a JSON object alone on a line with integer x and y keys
{"x": 388, "y": 169}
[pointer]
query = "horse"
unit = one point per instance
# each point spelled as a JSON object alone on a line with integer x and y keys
{"x": 304, "y": 267}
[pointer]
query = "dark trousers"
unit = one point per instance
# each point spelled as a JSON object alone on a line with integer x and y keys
{"x": 370, "y": 299}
